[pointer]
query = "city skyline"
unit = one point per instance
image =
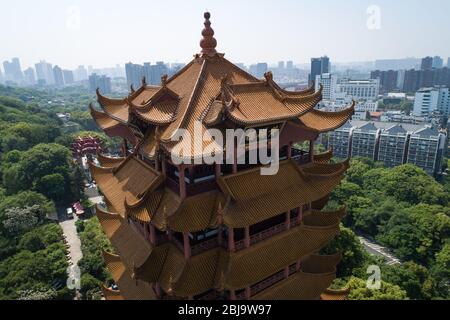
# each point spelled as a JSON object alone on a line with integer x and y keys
{"x": 85, "y": 31}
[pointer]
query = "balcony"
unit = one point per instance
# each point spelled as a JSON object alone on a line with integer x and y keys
{"x": 266, "y": 234}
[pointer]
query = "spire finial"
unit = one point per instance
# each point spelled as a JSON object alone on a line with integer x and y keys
{"x": 208, "y": 43}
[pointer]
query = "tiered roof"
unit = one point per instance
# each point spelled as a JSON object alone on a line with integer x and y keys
{"x": 216, "y": 93}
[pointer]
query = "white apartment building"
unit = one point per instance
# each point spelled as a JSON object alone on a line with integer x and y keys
{"x": 429, "y": 100}
{"x": 329, "y": 83}
{"x": 367, "y": 89}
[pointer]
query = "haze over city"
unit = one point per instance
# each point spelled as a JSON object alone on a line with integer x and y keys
{"x": 70, "y": 33}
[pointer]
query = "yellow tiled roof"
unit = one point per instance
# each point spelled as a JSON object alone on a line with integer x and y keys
{"x": 131, "y": 246}
{"x": 110, "y": 294}
{"x": 324, "y": 121}
{"x": 130, "y": 288}
{"x": 256, "y": 198}
{"x": 127, "y": 182}
{"x": 323, "y": 158}
{"x": 108, "y": 162}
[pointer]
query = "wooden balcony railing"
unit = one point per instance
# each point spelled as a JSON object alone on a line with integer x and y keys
{"x": 263, "y": 285}
{"x": 266, "y": 234}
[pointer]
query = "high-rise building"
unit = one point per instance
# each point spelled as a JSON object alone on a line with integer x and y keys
{"x": 427, "y": 63}
{"x": 259, "y": 69}
{"x": 135, "y": 74}
{"x": 58, "y": 76}
{"x": 103, "y": 83}
{"x": 365, "y": 89}
{"x": 30, "y": 76}
{"x": 318, "y": 67}
{"x": 68, "y": 77}
{"x": 329, "y": 82}
{"x": 448, "y": 63}
{"x": 290, "y": 65}
{"x": 388, "y": 80}
{"x": 44, "y": 72}
{"x": 13, "y": 71}
{"x": 438, "y": 62}
{"x": 215, "y": 231}
{"x": 281, "y": 65}
{"x": 80, "y": 74}
{"x": 429, "y": 100}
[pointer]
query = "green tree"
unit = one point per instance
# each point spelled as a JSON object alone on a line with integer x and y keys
{"x": 440, "y": 272}
{"x": 52, "y": 186}
{"x": 359, "y": 291}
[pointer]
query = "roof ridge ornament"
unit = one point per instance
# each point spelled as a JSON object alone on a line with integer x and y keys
{"x": 208, "y": 43}
{"x": 164, "y": 78}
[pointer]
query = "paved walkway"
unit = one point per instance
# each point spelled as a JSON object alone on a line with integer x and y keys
{"x": 380, "y": 251}
{"x": 73, "y": 241}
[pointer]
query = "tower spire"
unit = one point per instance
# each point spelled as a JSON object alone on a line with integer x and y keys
{"x": 208, "y": 43}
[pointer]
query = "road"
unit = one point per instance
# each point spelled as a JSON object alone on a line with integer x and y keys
{"x": 378, "y": 250}
{"x": 73, "y": 241}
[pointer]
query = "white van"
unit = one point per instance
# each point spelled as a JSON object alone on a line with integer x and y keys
{"x": 69, "y": 213}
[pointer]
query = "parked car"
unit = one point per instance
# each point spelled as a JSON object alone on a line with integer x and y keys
{"x": 69, "y": 213}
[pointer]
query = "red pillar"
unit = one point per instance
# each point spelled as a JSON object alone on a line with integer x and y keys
{"x": 182, "y": 182}
{"x": 218, "y": 171}
{"x": 187, "y": 245}
{"x": 286, "y": 272}
{"x": 125, "y": 148}
{"x": 158, "y": 290}
{"x": 247, "y": 237}
{"x": 300, "y": 215}
{"x": 152, "y": 234}
{"x": 248, "y": 293}
{"x": 231, "y": 246}
{"x": 232, "y": 295}
{"x": 298, "y": 265}
{"x": 289, "y": 150}
{"x": 235, "y": 160}
{"x": 311, "y": 150}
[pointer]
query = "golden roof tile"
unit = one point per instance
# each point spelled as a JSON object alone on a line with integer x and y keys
{"x": 115, "y": 108}
{"x": 324, "y": 158}
{"x": 335, "y": 295}
{"x": 131, "y": 246}
{"x": 131, "y": 288}
{"x": 109, "y": 162}
{"x": 104, "y": 121}
{"x": 324, "y": 121}
{"x": 255, "y": 198}
{"x": 110, "y": 294}
{"x": 256, "y": 263}
{"x": 301, "y": 286}
{"x": 127, "y": 182}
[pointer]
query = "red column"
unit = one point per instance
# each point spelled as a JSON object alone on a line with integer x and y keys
{"x": 158, "y": 290}
{"x": 248, "y": 293}
{"x": 125, "y": 148}
{"x": 232, "y": 295}
{"x": 311, "y": 150}
{"x": 289, "y": 150}
{"x": 288, "y": 220}
{"x": 286, "y": 272}
{"x": 247, "y": 237}
{"x": 218, "y": 171}
{"x": 298, "y": 265}
{"x": 300, "y": 215}
{"x": 145, "y": 231}
{"x": 152, "y": 234}
{"x": 187, "y": 245}
{"x": 235, "y": 167}
{"x": 231, "y": 246}
{"x": 182, "y": 182}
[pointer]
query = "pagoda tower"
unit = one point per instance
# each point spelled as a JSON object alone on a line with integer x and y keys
{"x": 220, "y": 231}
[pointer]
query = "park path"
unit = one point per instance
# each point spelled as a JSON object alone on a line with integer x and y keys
{"x": 73, "y": 242}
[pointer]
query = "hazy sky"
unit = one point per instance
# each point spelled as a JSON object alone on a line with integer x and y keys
{"x": 105, "y": 32}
